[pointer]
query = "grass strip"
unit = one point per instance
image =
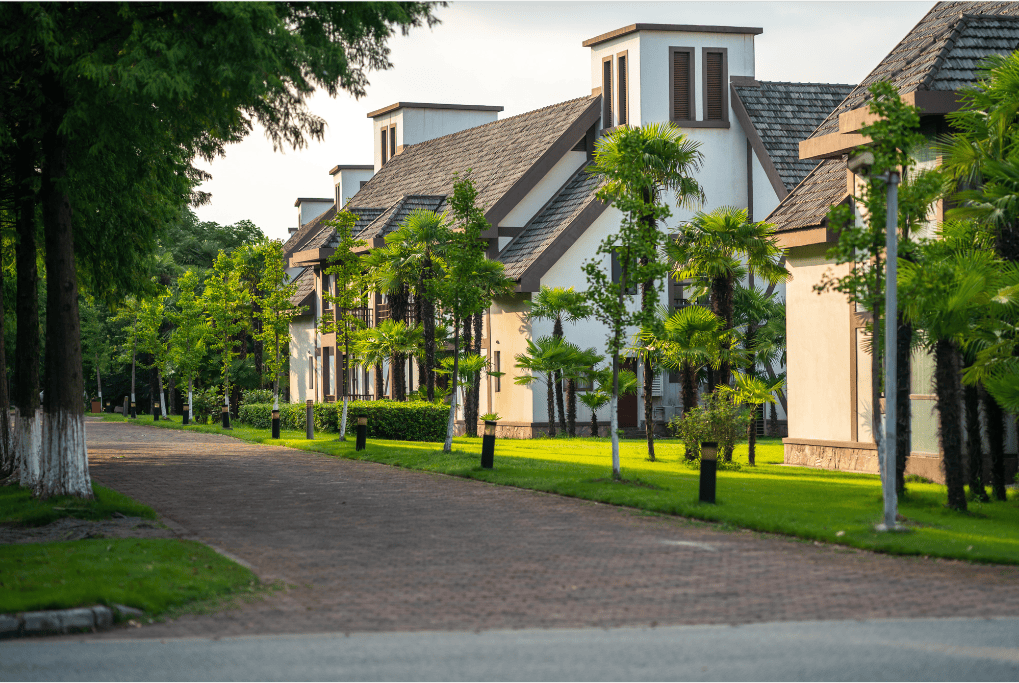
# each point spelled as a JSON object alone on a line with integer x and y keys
{"x": 155, "y": 575}
{"x": 19, "y": 508}
{"x": 816, "y": 505}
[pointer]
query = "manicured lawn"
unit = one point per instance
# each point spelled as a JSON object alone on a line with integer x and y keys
{"x": 834, "y": 507}
{"x": 18, "y": 507}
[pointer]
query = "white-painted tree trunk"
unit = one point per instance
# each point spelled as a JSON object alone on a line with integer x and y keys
{"x": 343, "y": 421}
{"x": 64, "y": 457}
{"x": 614, "y": 427}
{"x": 162, "y": 396}
{"x": 191, "y": 400}
{"x": 27, "y": 442}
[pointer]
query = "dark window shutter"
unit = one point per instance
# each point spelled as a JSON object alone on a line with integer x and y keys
{"x": 606, "y": 93}
{"x": 713, "y": 87}
{"x": 621, "y": 100}
{"x": 392, "y": 141}
{"x": 385, "y": 146}
{"x": 681, "y": 86}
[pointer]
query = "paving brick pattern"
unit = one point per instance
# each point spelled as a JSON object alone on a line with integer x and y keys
{"x": 369, "y": 547}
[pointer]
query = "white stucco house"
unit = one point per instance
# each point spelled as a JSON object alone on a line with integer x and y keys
{"x": 530, "y": 171}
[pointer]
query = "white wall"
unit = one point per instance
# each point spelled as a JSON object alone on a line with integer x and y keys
{"x": 307, "y": 211}
{"x": 302, "y": 348}
{"x": 544, "y": 190}
{"x": 347, "y": 182}
{"x": 414, "y": 125}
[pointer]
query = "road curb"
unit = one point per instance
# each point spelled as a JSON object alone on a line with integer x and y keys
{"x": 95, "y": 618}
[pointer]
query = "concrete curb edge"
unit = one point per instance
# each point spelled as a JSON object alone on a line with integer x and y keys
{"x": 97, "y": 617}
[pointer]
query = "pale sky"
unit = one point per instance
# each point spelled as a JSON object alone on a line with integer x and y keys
{"x": 528, "y": 55}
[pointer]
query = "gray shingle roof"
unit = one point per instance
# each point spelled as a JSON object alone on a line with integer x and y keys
{"x": 785, "y": 113}
{"x": 305, "y": 285}
{"x": 309, "y": 231}
{"x": 389, "y": 220}
{"x": 543, "y": 230}
{"x": 499, "y": 153}
{"x": 939, "y": 53}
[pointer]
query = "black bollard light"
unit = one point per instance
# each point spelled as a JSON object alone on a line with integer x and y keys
{"x": 134, "y": 410}
{"x": 155, "y": 411}
{"x": 488, "y": 445}
{"x": 309, "y": 426}
{"x": 185, "y": 416}
{"x": 275, "y": 424}
{"x": 709, "y": 465}
{"x": 362, "y": 433}
{"x": 226, "y": 415}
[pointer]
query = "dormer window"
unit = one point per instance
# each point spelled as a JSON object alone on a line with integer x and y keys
{"x": 681, "y": 70}
{"x": 385, "y": 144}
{"x": 392, "y": 141}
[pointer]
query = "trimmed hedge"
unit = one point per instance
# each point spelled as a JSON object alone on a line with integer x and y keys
{"x": 411, "y": 421}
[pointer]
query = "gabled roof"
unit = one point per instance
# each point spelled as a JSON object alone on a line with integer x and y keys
{"x": 503, "y": 157}
{"x": 308, "y": 231}
{"x": 305, "y": 287}
{"x": 782, "y": 114}
{"x": 556, "y": 227}
{"x": 938, "y": 54}
{"x": 389, "y": 220}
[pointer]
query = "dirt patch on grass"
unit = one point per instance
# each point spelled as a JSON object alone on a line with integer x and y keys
{"x": 631, "y": 482}
{"x": 70, "y": 529}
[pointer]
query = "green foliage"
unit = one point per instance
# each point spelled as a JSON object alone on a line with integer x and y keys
{"x": 188, "y": 338}
{"x": 208, "y": 405}
{"x": 19, "y": 507}
{"x": 275, "y": 311}
{"x": 224, "y": 302}
{"x": 721, "y": 419}
{"x": 256, "y": 396}
{"x": 408, "y": 421}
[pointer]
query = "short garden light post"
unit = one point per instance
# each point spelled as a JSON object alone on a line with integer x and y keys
{"x": 709, "y": 464}
{"x": 309, "y": 422}
{"x": 185, "y": 415}
{"x": 155, "y": 411}
{"x": 362, "y": 433}
{"x": 275, "y": 424}
{"x": 226, "y": 415}
{"x": 488, "y": 445}
{"x": 134, "y": 410}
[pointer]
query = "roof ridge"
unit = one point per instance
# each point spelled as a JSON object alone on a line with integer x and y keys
{"x": 420, "y": 145}
{"x": 845, "y": 85}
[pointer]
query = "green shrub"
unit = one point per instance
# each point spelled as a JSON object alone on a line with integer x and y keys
{"x": 208, "y": 404}
{"x": 256, "y": 396}
{"x": 411, "y": 421}
{"x": 720, "y": 419}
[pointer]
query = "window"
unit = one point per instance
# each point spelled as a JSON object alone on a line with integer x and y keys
{"x": 327, "y": 355}
{"x": 327, "y": 288}
{"x": 392, "y": 141}
{"x": 716, "y": 78}
{"x": 498, "y": 368}
{"x": 586, "y": 380}
{"x": 617, "y": 272}
{"x": 385, "y": 145}
{"x": 606, "y": 92}
{"x": 681, "y": 69}
{"x": 622, "y": 103}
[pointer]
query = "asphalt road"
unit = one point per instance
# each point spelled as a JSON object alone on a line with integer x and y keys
{"x": 897, "y": 650}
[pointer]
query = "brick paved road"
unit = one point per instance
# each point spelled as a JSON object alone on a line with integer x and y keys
{"x": 375, "y": 548}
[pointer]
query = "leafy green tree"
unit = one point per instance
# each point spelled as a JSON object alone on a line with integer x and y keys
{"x": 151, "y": 342}
{"x": 602, "y": 393}
{"x": 130, "y": 314}
{"x": 97, "y": 342}
{"x": 638, "y": 165}
{"x": 224, "y": 298}
{"x": 392, "y": 271}
{"x": 753, "y": 391}
{"x": 458, "y": 292}
{"x": 188, "y": 338}
{"x": 555, "y": 304}
{"x": 491, "y": 281}
{"x": 861, "y": 243}
{"x": 349, "y": 298}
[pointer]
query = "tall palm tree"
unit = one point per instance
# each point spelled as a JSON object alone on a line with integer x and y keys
{"x": 542, "y": 359}
{"x": 719, "y": 249}
{"x": 754, "y": 391}
{"x": 602, "y": 391}
{"x": 557, "y": 303}
{"x": 391, "y": 270}
{"x": 390, "y": 339}
{"x": 639, "y": 165}
{"x": 490, "y": 279}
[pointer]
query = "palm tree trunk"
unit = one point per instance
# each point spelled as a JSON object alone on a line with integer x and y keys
{"x": 903, "y": 422}
{"x": 974, "y": 447}
{"x": 946, "y": 378}
{"x": 380, "y": 381}
{"x": 594, "y": 423}
{"x": 752, "y": 440}
{"x": 721, "y": 305}
{"x": 551, "y": 403}
{"x": 996, "y": 442}
{"x": 571, "y": 406}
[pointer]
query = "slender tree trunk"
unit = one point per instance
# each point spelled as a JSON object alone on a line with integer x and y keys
{"x": 752, "y": 440}
{"x": 134, "y": 361}
{"x": 27, "y": 437}
{"x": 594, "y": 422}
{"x": 191, "y": 399}
{"x": 996, "y": 442}
{"x": 380, "y": 381}
{"x": 99, "y": 379}
{"x": 946, "y": 377}
{"x": 773, "y": 420}
{"x": 571, "y": 406}
{"x": 428, "y": 325}
{"x": 647, "y": 296}
{"x": 614, "y": 412}
{"x": 7, "y": 461}
{"x": 398, "y": 311}
{"x": 479, "y": 322}
{"x": 447, "y": 447}
{"x": 721, "y": 305}
{"x": 346, "y": 380}
{"x": 64, "y": 457}
{"x": 162, "y": 397}
{"x": 903, "y": 421}
{"x": 974, "y": 447}
{"x": 688, "y": 376}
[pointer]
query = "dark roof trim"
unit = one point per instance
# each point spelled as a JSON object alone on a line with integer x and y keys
{"x": 746, "y": 81}
{"x": 685, "y": 28}
{"x": 311, "y": 257}
{"x": 740, "y": 110}
{"x": 542, "y": 166}
{"x": 530, "y": 280}
{"x": 432, "y": 105}
{"x": 348, "y": 167}
{"x": 326, "y": 200}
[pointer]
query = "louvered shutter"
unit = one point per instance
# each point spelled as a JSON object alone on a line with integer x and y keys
{"x": 606, "y": 92}
{"x": 385, "y": 146}
{"x": 713, "y": 87}
{"x": 621, "y": 100}
{"x": 681, "y": 86}
{"x": 656, "y": 386}
{"x": 392, "y": 141}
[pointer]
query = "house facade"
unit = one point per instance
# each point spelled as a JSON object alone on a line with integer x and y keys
{"x": 531, "y": 174}
{"x": 829, "y": 368}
